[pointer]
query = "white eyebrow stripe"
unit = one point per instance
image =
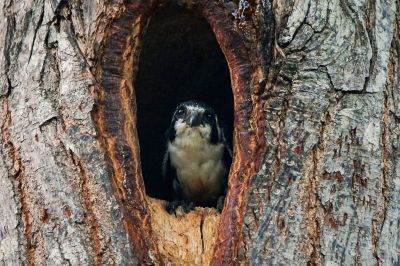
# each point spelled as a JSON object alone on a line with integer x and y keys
{"x": 195, "y": 108}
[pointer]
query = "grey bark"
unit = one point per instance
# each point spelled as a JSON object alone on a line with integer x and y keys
{"x": 329, "y": 189}
{"x": 56, "y": 202}
{"x": 337, "y": 201}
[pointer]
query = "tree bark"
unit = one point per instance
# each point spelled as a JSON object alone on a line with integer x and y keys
{"x": 315, "y": 177}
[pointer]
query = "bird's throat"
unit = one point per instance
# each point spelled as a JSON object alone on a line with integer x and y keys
{"x": 192, "y": 138}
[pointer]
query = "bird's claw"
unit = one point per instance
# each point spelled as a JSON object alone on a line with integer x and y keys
{"x": 179, "y": 208}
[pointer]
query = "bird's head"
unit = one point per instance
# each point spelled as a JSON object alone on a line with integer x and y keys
{"x": 195, "y": 117}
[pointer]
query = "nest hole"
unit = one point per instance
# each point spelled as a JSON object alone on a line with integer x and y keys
{"x": 180, "y": 60}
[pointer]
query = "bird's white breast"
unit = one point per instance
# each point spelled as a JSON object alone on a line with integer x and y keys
{"x": 198, "y": 163}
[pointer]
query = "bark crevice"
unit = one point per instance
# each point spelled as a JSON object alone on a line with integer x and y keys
{"x": 20, "y": 189}
{"x": 99, "y": 246}
{"x": 38, "y": 25}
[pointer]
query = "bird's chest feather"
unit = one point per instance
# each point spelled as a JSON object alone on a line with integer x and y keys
{"x": 198, "y": 163}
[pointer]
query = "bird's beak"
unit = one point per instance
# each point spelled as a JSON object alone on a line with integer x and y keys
{"x": 194, "y": 120}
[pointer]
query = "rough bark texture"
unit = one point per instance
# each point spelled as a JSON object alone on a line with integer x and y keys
{"x": 315, "y": 177}
{"x": 328, "y": 190}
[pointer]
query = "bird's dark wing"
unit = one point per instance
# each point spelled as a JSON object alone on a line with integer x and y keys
{"x": 171, "y": 183}
{"x": 165, "y": 165}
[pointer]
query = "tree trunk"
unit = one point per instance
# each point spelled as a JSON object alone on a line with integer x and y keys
{"x": 314, "y": 179}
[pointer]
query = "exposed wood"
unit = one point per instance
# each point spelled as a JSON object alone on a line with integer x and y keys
{"x": 184, "y": 240}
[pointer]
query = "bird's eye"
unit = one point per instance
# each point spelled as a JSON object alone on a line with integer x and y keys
{"x": 180, "y": 111}
{"x": 208, "y": 117}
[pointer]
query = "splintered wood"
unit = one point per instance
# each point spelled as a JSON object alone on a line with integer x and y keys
{"x": 185, "y": 240}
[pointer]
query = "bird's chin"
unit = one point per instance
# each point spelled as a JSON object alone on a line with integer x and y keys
{"x": 199, "y": 132}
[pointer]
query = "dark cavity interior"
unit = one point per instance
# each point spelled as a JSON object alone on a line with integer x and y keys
{"x": 180, "y": 60}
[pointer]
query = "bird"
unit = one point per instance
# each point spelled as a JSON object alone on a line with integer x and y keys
{"x": 197, "y": 158}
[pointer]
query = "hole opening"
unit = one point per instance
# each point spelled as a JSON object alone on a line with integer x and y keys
{"x": 115, "y": 116}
